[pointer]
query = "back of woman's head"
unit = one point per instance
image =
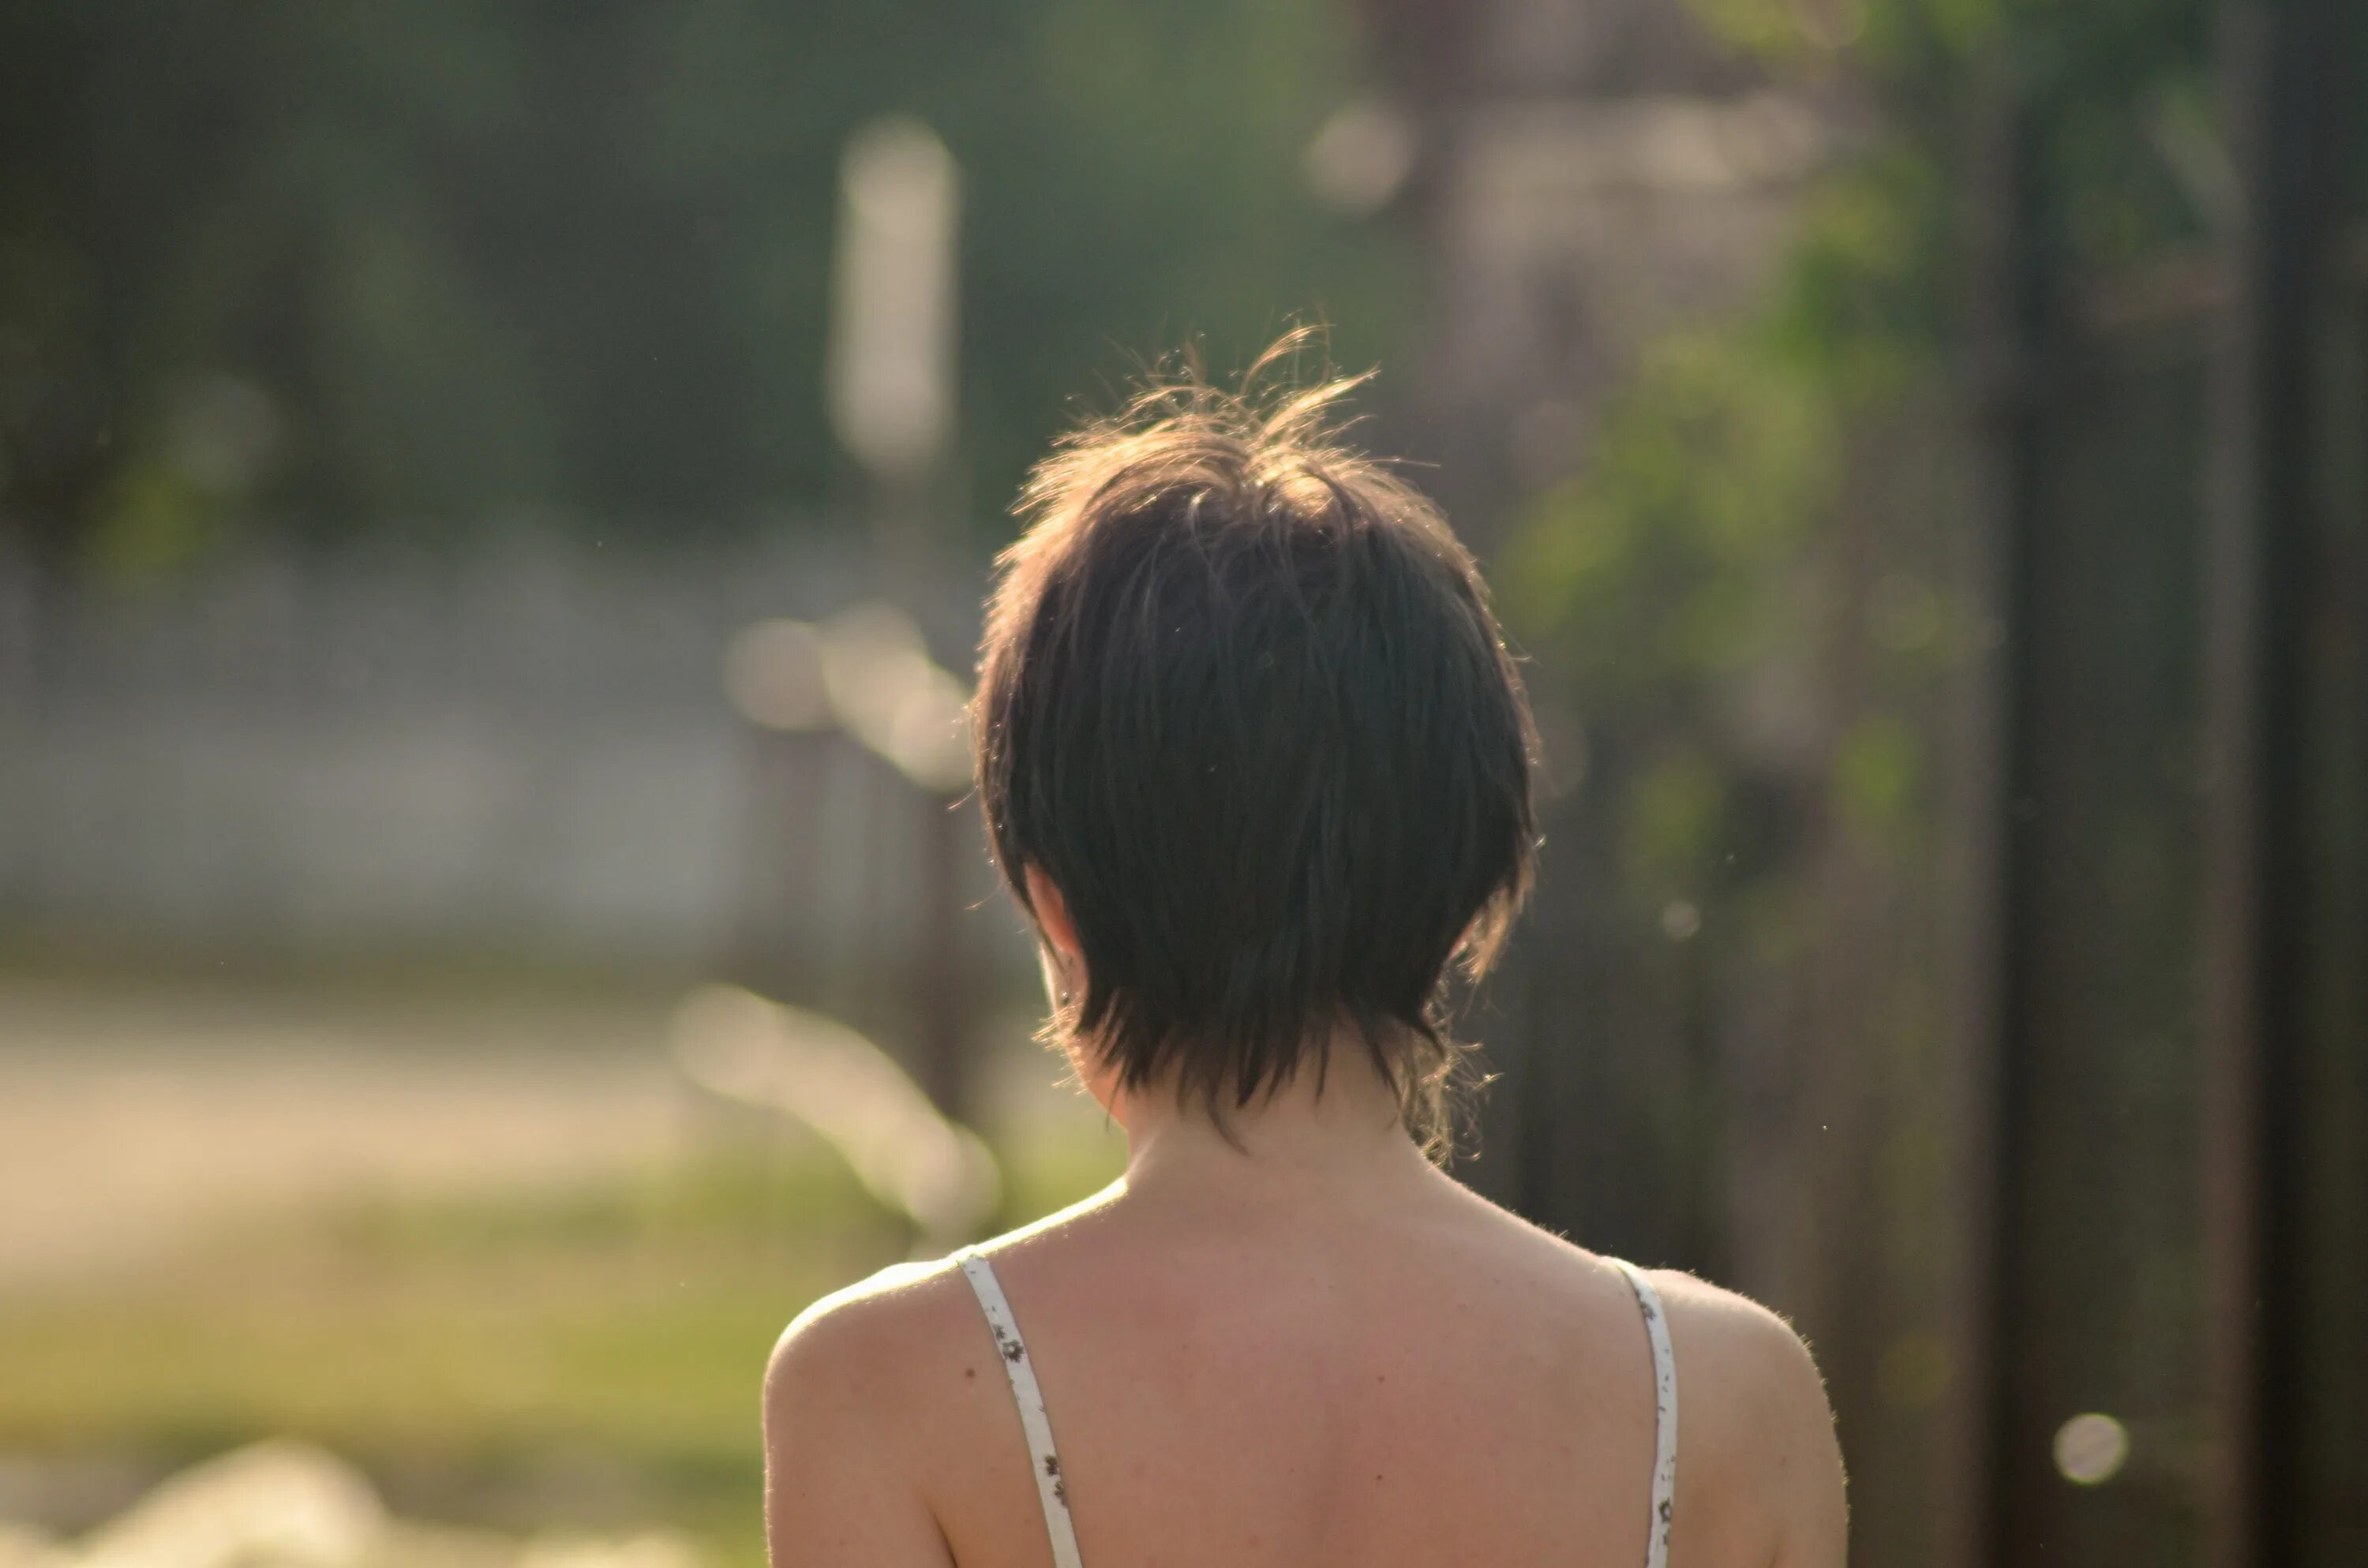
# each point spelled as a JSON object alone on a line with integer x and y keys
{"x": 1243, "y": 702}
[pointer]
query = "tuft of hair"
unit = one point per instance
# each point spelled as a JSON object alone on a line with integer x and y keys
{"x": 1242, "y": 698}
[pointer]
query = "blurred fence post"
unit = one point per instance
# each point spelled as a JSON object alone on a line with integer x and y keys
{"x": 890, "y": 370}
{"x": 1990, "y": 1458}
{"x": 868, "y": 673}
{"x": 2286, "y": 64}
{"x": 892, "y": 395}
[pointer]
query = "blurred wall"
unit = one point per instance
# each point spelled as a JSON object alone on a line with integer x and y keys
{"x": 519, "y": 749}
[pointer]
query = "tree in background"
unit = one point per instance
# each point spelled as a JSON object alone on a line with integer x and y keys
{"x": 327, "y": 269}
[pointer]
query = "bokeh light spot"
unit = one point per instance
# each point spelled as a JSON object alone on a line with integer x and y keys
{"x": 2090, "y": 1448}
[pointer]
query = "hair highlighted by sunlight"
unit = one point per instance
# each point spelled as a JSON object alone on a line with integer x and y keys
{"x": 1242, "y": 698}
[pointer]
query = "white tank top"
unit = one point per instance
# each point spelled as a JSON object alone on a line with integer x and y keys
{"x": 1053, "y": 1488}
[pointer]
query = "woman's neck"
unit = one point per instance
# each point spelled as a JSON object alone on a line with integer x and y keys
{"x": 1346, "y": 1137}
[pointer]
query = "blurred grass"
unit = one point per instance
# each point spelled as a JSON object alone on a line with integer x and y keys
{"x": 588, "y": 1355}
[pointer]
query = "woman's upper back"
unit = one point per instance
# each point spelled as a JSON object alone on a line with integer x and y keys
{"x": 1306, "y": 1382}
{"x": 1043, "y": 1450}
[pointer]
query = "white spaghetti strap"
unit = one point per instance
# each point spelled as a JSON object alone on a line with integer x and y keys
{"x": 1052, "y": 1489}
{"x": 1665, "y": 1414}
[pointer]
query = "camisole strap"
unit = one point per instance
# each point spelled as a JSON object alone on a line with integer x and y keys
{"x": 1052, "y": 1490}
{"x": 1665, "y": 1414}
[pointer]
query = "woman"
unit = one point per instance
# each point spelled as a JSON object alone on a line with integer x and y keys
{"x": 1256, "y": 764}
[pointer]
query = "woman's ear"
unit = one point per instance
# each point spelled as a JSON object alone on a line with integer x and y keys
{"x": 1051, "y": 914}
{"x": 1064, "y": 977}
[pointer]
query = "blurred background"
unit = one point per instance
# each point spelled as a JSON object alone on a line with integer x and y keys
{"x": 493, "y": 502}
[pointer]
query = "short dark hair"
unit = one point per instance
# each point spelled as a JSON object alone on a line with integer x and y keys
{"x": 1243, "y": 701}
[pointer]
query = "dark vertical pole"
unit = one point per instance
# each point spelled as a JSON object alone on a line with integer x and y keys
{"x": 2284, "y": 65}
{"x": 943, "y": 996}
{"x": 1990, "y": 1465}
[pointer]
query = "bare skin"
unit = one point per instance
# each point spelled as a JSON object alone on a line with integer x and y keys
{"x": 1310, "y": 1350}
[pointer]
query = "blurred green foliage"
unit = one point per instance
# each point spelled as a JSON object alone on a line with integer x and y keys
{"x": 466, "y": 1352}
{"x": 328, "y": 267}
{"x": 587, "y": 1354}
{"x": 1706, "y": 538}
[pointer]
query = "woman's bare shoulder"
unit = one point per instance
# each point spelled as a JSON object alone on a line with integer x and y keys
{"x": 856, "y": 1342}
{"x": 1759, "y": 1476}
{"x": 1739, "y": 1343}
{"x": 842, "y": 1389}
{"x": 1754, "y": 1426}
{"x": 908, "y": 1318}
{"x": 1745, "y": 1362}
